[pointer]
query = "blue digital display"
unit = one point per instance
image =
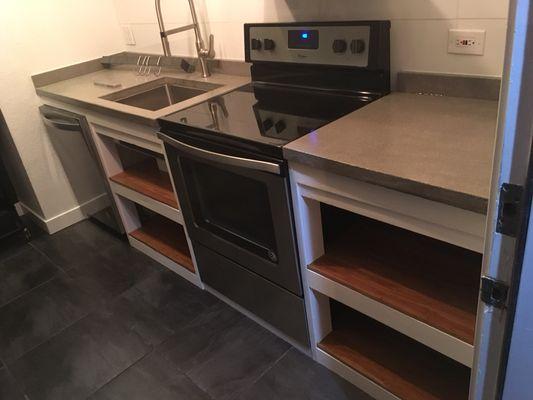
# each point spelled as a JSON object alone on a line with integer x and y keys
{"x": 303, "y": 39}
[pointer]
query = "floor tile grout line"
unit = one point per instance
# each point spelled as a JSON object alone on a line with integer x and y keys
{"x": 97, "y": 308}
{"x": 123, "y": 371}
{"x": 254, "y": 381}
{"x": 120, "y": 373}
{"x": 18, "y": 297}
{"x": 48, "y": 258}
{"x": 18, "y": 252}
{"x": 153, "y": 351}
{"x": 197, "y": 386}
{"x": 271, "y": 366}
{"x": 89, "y": 313}
{"x": 61, "y": 270}
{"x": 50, "y": 338}
{"x": 93, "y": 310}
{"x": 54, "y": 277}
{"x": 19, "y": 385}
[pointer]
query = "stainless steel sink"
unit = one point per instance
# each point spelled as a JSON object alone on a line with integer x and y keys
{"x": 160, "y": 93}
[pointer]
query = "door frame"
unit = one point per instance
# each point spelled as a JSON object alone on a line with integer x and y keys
{"x": 503, "y": 253}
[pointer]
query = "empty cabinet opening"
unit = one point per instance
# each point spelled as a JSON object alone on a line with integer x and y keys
{"x": 164, "y": 236}
{"x": 396, "y": 362}
{"x": 432, "y": 281}
{"x": 145, "y": 172}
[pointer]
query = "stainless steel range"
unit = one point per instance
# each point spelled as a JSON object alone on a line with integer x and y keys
{"x": 227, "y": 163}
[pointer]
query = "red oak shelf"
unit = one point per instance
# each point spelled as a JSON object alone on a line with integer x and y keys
{"x": 434, "y": 282}
{"x": 399, "y": 364}
{"x": 167, "y": 238}
{"x": 146, "y": 178}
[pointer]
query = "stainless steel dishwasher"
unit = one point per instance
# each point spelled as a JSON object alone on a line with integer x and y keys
{"x": 71, "y": 138}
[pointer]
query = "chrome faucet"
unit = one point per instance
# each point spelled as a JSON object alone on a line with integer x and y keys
{"x": 203, "y": 53}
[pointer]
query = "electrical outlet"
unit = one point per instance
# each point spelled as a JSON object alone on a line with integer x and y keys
{"x": 127, "y": 33}
{"x": 466, "y": 41}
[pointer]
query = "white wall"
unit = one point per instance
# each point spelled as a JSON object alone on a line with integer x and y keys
{"x": 40, "y": 35}
{"x": 419, "y": 27}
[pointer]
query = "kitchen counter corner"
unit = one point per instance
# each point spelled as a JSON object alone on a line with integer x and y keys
{"x": 439, "y": 148}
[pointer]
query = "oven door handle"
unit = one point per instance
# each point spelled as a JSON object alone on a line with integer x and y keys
{"x": 257, "y": 165}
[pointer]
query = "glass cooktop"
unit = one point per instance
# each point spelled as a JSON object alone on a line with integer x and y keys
{"x": 269, "y": 114}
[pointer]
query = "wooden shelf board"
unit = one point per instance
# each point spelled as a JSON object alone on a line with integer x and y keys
{"x": 395, "y": 362}
{"x": 146, "y": 178}
{"x": 434, "y": 282}
{"x": 167, "y": 238}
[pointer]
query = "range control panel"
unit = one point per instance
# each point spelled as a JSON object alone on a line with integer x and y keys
{"x": 342, "y": 45}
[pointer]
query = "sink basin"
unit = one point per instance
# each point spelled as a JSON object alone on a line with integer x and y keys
{"x": 160, "y": 93}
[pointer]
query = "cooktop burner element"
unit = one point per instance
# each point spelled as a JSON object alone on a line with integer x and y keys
{"x": 270, "y": 115}
{"x": 304, "y": 76}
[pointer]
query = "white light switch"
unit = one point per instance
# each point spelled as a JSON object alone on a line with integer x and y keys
{"x": 127, "y": 33}
{"x": 466, "y": 41}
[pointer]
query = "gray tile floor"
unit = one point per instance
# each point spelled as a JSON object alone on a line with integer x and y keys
{"x": 83, "y": 315}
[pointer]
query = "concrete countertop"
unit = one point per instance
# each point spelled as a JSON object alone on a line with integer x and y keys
{"x": 82, "y": 91}
{"x": 439, "y": 148}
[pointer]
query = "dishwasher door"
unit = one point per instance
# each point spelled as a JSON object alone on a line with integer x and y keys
{"x": 71, "y": 138}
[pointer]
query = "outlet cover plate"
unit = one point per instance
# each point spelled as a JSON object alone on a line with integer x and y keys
{"x": 466, "y": 41}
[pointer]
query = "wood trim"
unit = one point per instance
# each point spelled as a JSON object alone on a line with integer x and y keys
{"x": 396, "y": 362}
{"x": 167, "y": 238}
{"x": 147, "y": 179}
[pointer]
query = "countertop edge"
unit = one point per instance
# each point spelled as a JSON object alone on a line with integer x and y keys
{"x": 101, "y": 109}
{"x": 464, "y": 201}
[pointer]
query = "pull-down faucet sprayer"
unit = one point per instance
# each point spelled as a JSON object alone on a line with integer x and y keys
{"x": 203, "y": 53}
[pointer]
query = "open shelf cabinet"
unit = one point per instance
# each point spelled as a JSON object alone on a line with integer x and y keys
{"x": 408, "y": 271}
{"x": 144, "y": 194}
{"x": 397, "y": 363}
{"x": 146, "y": 178}
{"x": 428, "y": 283}
{"x": 166, "y": 238}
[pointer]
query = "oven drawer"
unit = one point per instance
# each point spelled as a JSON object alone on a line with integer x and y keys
{"x": 275, "y": 305}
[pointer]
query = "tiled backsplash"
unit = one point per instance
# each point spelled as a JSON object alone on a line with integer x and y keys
{"x": 419, "y": 27}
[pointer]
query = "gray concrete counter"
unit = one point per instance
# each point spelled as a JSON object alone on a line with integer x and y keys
{"x": 435, "y": 147}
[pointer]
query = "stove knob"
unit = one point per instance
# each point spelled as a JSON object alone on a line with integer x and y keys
{"x": 270, "y": 44}
{"x": 340, "y": 46}
{"x": 280, "y": 126}
{"x": 256, "y": 44}
{"x": 267, "y": 124}
{"x": 357, "y": 46}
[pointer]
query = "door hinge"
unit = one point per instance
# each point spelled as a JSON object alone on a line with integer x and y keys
{"x": 493, "y": 292}
{"x": 509, "y": 219}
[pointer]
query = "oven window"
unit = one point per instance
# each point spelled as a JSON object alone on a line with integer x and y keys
{"x": 232, "y": 206}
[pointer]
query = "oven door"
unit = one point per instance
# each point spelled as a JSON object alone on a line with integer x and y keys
{"x": 237, "y": 206}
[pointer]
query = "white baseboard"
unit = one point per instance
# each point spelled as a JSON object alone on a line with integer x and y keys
{"x": 69, "y": 217}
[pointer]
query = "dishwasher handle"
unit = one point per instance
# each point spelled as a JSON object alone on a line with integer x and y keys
{"x": 68, "y": 124}
{"x": 62, "y": 123}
